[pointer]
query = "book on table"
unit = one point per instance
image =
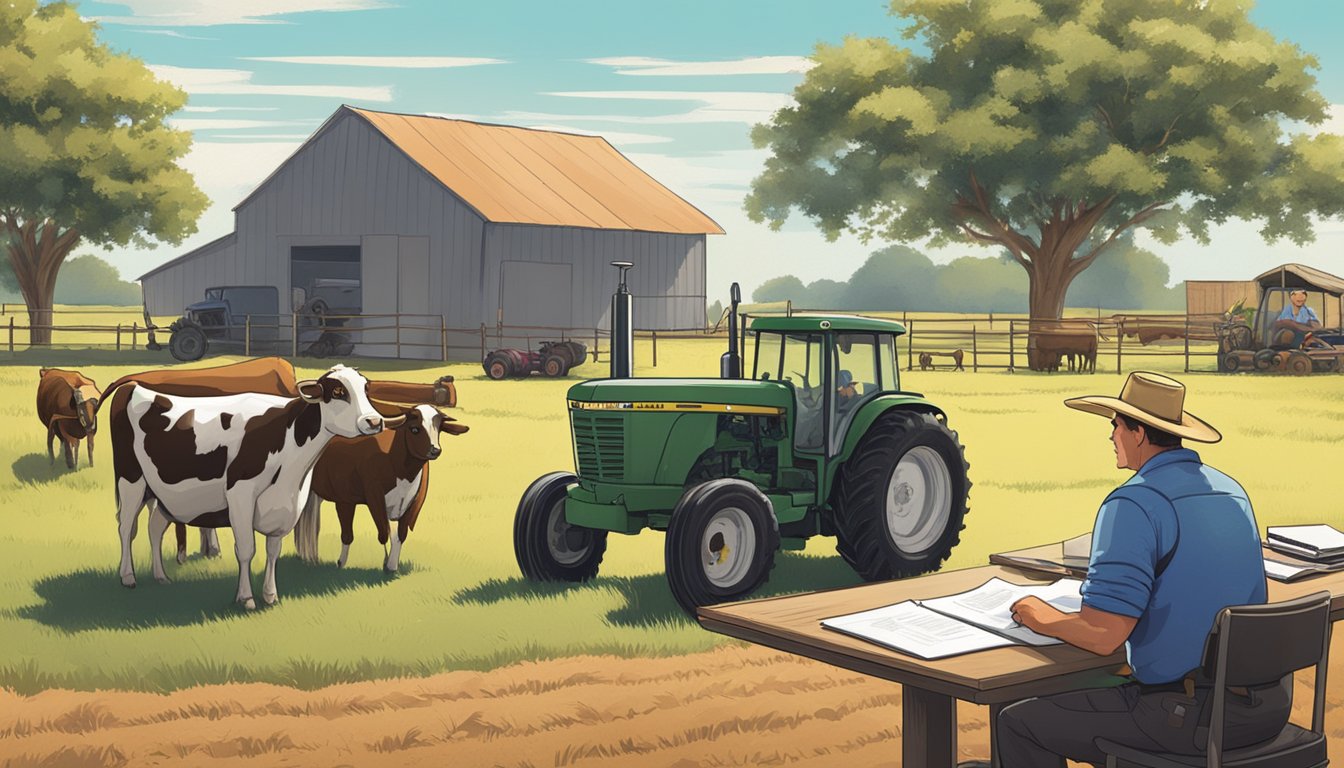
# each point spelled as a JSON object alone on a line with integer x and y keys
{"x": 962, "y": 623}
{"x": 1313, "y": 542}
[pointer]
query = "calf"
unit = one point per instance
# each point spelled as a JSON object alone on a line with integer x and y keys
{"x": 388, "y": 473}
{"x": 243, "y": 458}
{"x": 67, "y": 405}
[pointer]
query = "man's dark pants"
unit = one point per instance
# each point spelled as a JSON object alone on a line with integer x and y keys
{"x": 1041, "y": 733}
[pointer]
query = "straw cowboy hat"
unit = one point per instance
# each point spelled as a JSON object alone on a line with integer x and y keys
{"x": 1154, "y": 400}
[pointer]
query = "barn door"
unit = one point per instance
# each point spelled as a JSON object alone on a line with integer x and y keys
{"x": 413, "y": 299}
{"x": 378, "y": 281}
{"x": 536, "y": 295}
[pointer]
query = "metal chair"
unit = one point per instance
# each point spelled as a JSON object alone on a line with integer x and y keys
{"x": 1252, "y": 645}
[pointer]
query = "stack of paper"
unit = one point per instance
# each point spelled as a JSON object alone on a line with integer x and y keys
{"x": 1312, "y": 542}
{"x": 956, "y": 624}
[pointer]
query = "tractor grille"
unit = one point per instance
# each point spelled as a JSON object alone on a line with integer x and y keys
{"x": 599, "y": 445}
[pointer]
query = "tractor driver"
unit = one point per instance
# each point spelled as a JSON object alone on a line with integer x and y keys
{"x": 845, "y": 388}
{"x": 1297, "y": 315}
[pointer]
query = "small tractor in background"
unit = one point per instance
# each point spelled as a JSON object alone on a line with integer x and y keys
{"x": 553, "y": 358}
{"x": 1259, "y": 341}
{"x": 820, "y": 441}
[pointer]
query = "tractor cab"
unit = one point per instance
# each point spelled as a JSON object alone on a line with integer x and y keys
{"x": 833, "y": 365}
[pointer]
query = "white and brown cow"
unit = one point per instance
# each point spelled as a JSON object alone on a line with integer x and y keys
{"x": 243, "y": 458}
{"x": 388, "y": 473}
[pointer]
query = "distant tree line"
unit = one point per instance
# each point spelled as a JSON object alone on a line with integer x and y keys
{"x": 82, "y": 280}
{"x": 901, "y": 278}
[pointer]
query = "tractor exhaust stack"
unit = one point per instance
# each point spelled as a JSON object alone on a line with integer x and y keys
{"x": 730, "y": 364}
{"x": 622, "y": 331}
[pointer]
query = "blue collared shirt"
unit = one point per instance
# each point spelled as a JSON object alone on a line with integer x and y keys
{"x": 1138, "y": 570}
{"x": 1304, "y": 315}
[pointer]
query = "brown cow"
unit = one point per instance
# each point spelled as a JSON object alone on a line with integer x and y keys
{"x": 67, "y": 405}
{"x": 270, "y": 376}
{"x": 388, "y": 473}
{"x": 1050, "y": 346}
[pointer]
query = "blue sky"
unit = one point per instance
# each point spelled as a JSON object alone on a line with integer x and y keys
{"x": 674, "y": 86}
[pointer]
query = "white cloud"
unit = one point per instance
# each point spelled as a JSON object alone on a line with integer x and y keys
{"x": 385, "y": 62}
{"x": 229, "y": 109}
{"x": 236, "y": 82}
{"x": 749, "y": 107}
{"x": 759, "y": 65}
{"x": 204, "y": 13}
{"x": 211, "y": 124}
{"x": 172, "y": 33}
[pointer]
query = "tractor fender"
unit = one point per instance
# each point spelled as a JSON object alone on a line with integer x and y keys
{"x": 869, "y": 413}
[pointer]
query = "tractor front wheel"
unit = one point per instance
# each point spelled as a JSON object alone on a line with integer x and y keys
{"x": 546, "y": 546}
{"x": 720, "y": 544}
{"x": 555, "y": 366}
{"x": 187, "y": 342}
{"x": 498, "y": 366}
{"x": 901, "y": 497}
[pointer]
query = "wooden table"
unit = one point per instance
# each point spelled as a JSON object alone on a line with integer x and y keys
{"x": 995, "y": 677}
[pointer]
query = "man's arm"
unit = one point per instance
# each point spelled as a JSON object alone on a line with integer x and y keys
{"x": 1091, "y": 629}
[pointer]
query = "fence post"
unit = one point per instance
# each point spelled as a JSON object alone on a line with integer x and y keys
{"x": 118, "y": 337}
{"x": 11, "y": 334}
{"x": 293, "y": 334}
{"x": 443, "y": 339}
{"x": 1187, "y": 342}
{"x": 397, "y": 319}
{"x": 135, "y": 331}
{"x": 595, "y": 345}
{"x": 655, "y": 348}
{"x": 247, "y": 335}
{"x": 482, "y": 342}
{"x": 909, "y": 346}
{"x": 1012, "y": 362}
{"x": 975, "y": 354}
{"x": 1119, "y": 349}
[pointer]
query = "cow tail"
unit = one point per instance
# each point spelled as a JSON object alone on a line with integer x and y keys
{"x": 107, "y": 393}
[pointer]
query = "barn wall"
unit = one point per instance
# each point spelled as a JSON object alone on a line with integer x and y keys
{"x": 668, "y": 279}
{"x": 348, "y": 183}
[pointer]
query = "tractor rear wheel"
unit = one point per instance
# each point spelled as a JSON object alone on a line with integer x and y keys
{"x": 555, "y": 366}
{"x": 545, "y": 545}
{"x": 187, "y": 342}
{"x": 498, "y": 366}
{"x": 900, "y": 500}
{"x": 720, "y": 543}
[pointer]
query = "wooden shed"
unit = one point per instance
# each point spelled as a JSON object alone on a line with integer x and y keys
{"x": 469, "y": 222}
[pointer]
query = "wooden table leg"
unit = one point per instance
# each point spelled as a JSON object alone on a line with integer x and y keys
{"x": 928, "y": 728}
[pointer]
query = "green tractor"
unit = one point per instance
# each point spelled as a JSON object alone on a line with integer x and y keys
{"x": 820, "y": 441}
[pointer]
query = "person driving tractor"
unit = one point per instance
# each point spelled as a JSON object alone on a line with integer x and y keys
{"x": 1296, "y": 318}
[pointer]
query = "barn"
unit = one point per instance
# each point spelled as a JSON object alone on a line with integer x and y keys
{"x": 456, "y": 223}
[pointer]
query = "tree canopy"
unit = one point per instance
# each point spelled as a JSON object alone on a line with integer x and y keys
{"x": 85, "y": 150}
{"x": 1052, "y": 128}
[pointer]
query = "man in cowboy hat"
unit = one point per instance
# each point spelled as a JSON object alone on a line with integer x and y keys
{"x": 1171, "y": 547}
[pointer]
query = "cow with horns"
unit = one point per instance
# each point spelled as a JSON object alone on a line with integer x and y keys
{"x": 245, "y": 460}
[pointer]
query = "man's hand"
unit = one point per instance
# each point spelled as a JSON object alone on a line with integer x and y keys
{"x": 1091, "y": 629}
{"x": 1036, "y": 614}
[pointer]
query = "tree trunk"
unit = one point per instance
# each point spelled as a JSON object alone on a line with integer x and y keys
{"x": 36, "y": 251}
{"x": 1048, "y": 283}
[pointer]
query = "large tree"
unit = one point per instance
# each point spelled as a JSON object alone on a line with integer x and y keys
{"x": 1053, "y": 127}
{"x": 85, "y": 154}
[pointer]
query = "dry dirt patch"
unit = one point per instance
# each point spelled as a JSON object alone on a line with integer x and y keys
{"x": 730, "y": 707}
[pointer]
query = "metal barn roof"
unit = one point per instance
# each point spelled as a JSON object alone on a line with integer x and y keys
{"x": 527, "y": 176}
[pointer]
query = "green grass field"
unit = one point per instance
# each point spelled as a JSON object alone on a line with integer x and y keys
{"x": 1039, "y": 471}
